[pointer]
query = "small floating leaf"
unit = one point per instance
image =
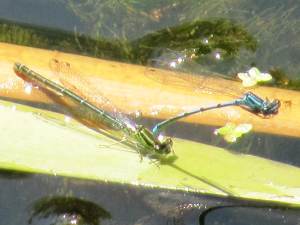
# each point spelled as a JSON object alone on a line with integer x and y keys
{"x": 231, "y": 132}
{"x": 254, "y": 76}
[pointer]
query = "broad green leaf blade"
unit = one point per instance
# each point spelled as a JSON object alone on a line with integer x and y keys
{"x": 40, "y": 141}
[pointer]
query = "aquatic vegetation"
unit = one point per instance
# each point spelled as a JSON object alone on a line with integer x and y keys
{"x": 245, "y": 33}
{"x": 223, "y": 35}
{"x": 197, "y": 38}
{"x": 281, "y": 79}
{"x": 275, "y": 25}
{"x": 253, "y": 77}
{"x": 13, "y": 33}
{"x": 231, "y": 132}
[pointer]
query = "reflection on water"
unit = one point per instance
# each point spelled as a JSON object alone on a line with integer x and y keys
{"x": 11, "y": 174}
{"x": 239, "y": 215}
{"x": 67, "y": 210}
{"x": 49, "y": 200}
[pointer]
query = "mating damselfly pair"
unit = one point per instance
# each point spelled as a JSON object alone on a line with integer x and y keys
{"x": 147, "y": 142}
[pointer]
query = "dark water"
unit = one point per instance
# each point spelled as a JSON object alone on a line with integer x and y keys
{"x": 45, "y": 200}
{"x": 261, "y": 33}
{"x": 244, "y": 33}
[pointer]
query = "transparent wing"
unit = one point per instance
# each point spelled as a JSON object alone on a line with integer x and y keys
{"x": 74, "y": 81}
{"x": 184, "y": 72}
{"x": 71, "y": 79}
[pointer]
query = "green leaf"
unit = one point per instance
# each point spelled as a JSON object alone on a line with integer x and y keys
{"x": 231, "y": 132}
{"x": 39, "y": 141}
{"x": 253, "y": 76}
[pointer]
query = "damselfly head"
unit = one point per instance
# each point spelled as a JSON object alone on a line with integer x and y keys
{"x": 165, "y": 146}
{"x": 159, "y": 143}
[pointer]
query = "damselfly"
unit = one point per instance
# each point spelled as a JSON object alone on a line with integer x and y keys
{"x": 249, "y": 100}
{"x": 137, "y": 135}
{"x": 119, "y": 126}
